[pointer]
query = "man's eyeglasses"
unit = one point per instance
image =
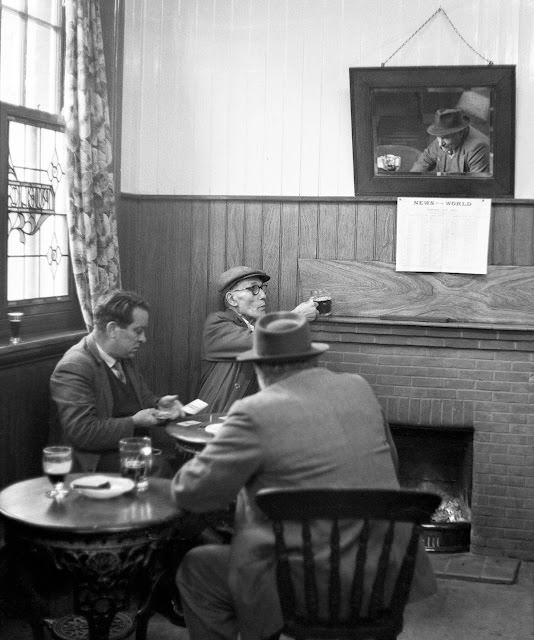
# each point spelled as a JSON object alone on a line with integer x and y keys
{"x": 254, "y": 289}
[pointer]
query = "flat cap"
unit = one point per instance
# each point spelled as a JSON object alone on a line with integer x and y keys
{"x": 235, "y": 274}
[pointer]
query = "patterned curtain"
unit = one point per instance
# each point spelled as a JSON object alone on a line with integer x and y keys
{"x": 92, "y": 216}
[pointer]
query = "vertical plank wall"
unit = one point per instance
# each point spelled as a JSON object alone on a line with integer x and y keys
{"x": 173, "y": 248}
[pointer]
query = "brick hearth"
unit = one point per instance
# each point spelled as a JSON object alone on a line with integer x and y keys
{"x": 436, "y": 375}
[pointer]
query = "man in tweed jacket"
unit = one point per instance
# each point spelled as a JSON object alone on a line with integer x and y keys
{"x": 307, "y": 427}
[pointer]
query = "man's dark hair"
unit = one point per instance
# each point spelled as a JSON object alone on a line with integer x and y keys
{"x": 117, "y": 306}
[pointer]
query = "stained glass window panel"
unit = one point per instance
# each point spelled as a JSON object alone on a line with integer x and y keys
{"x": 37, "y": 225}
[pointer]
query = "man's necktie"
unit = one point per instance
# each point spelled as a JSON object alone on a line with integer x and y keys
{"x": 118, "y": 371}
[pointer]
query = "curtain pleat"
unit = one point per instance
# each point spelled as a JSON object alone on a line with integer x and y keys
{"x": 91, "y": 214}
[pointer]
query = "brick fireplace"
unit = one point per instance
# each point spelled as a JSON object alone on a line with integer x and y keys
{"x": 450, "y": 376}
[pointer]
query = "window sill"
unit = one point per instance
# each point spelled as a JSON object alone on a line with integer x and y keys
{"x": 38, "y": 348}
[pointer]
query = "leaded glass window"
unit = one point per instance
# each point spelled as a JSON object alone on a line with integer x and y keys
{"x": 37, "y": 256}
{"x": 35, "y": 273}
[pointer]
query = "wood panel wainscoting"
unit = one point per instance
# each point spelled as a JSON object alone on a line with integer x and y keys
{"x": 173, "y": 247}
{"x": 25, "y": 403}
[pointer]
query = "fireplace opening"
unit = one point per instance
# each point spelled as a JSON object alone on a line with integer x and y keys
{"x": 440, "y": 460}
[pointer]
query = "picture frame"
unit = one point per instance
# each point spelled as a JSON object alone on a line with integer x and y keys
{"x": 392, "y": 108}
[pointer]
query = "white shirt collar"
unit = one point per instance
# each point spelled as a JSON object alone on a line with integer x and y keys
{"x": 249, "y": 324}
{"x": 109, "y": 360}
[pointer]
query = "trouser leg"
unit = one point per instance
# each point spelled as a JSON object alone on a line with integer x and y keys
{"x": 202, "y": 579}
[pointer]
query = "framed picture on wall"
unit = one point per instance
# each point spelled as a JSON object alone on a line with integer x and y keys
{"x": 433, "y": 130}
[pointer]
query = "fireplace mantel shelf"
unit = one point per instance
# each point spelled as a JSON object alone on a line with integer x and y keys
{"x": 422, "y": 322}
{"x": 424, "y": 333}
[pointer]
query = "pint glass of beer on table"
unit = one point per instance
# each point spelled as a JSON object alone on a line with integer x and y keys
{"x": 57, "y": 463}
{"x": 136, "y": 460}
{"x": 15, "y": 323}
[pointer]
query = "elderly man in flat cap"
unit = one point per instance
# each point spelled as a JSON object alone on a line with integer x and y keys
{"x": 308, "y": 427}
{"x": 228, "y": 333}
{"x": 457, "y": 148}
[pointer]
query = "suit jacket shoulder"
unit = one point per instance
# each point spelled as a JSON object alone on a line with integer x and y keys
{"x": 225, "y": 336}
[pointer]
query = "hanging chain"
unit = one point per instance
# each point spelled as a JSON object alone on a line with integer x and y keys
{"x": 440, "y": 10}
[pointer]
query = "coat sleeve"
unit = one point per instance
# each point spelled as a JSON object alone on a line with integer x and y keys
{"x": 77, "y": 390}
{"x": 224, "y": 339}
{"x": 478, "y": 160}
{"x": 427, "y": 160}
{"x": 213, "y": 478}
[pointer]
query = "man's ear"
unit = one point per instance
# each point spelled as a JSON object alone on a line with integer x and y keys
{"x": 229, "y": 299}
{"x": 111, "y": 328}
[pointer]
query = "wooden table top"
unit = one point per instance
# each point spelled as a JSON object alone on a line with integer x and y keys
{"x": 192, "y": 430}
{"x": 25, "y": 502}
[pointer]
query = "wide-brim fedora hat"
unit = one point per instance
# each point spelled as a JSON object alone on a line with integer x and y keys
{"x": 233, "y": 275}
{"x": 282, "y": 336}
{"x": 448, "y": 121}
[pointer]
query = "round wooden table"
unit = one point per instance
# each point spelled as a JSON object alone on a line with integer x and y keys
{"x": 190, "y": 433}
{"x": 191, "y": 437}
{"x": 104, "y": 545}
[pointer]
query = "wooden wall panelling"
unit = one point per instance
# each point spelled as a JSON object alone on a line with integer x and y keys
{"x": 155, "y": 246}
{"x": 253, "y": 249}
{"x": 235, "y": 232}
{"x": 289, "y": 243}
{"x": 127, "y": 219}
{"x": 155, "y": 283}
{"x": 217, "y": 262}
{"x": 24, "y": 424}
{"x": 365, "y": 231}
{"x": 523, "y": 236}
{"x": 266, "y": 233}
{"x": 308, "y": 225}
{"x": 346, "y": 231}
{"x": 25, "y": 404}
{"x": 271, "y": 249}
{"x": 512, "y": 236}
{"x": 198, "y": 303}
{"x": 385, "y": 232}
{"x": 501, "y": 242}
{"x": 491, "y": 236}
{"x": 327, "y": 233}
{"x": 160, "y": 262}
{"x": 173, "y": 337}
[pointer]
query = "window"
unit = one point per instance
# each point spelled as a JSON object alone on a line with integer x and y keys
{"x": 35, "y": 274}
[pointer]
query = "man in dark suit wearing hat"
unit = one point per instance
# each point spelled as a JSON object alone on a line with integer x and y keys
{"x": 457, "y": 148}
{"x": 228, "y": 332}
{"x": 307, "y": 427}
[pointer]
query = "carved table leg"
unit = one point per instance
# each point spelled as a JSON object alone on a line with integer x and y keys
{"x": 104, "y": 572}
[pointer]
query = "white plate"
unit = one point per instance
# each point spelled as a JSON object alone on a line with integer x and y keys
{"x": 117, "y": 487}
{"x": 213, "y": 427}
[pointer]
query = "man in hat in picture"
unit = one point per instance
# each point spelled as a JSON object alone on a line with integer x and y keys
{"x": 307, "y": 427}
{"x": 457, "y": 148}
{"x": 228, "y": 333}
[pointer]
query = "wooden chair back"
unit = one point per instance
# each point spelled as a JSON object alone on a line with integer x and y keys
{"x": 377, "y": 615}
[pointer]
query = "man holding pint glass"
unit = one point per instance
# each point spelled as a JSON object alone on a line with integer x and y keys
{"x": 100, "y": 395}
{"x": 228, "y": 332}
